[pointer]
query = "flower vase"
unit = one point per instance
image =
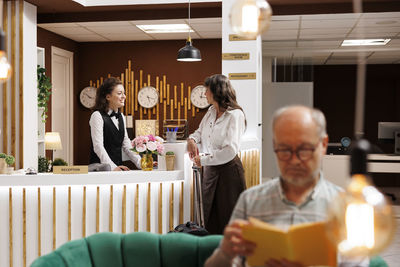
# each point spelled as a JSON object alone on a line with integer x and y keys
{"x": 147, "y": 162}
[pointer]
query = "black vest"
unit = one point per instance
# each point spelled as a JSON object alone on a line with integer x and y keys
{"x": 112, "y": 140}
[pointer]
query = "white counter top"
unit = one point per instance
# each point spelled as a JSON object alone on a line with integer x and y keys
{"x": 96, "y": 178}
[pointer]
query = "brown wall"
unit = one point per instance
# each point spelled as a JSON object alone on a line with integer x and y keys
{"x": 334, "y": 94}
{"x": 46, "y": 40}
{"x": 156, "y": 58}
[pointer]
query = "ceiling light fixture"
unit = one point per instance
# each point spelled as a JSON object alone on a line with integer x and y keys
{"x": 249, "y": 18}
{"x": 361, "y": 42}
{"x": 164, "y": 28}
{"x": 5, "y": 67}
{"x": 189, "y": 53}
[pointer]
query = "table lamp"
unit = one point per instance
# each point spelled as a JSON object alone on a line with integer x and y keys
{"x": 52, "y": 141}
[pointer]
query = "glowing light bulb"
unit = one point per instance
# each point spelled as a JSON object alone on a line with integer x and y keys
{"x": 361, "y": 220}
{"x": 249, "y": 18}
{"x": 5, "y": 67}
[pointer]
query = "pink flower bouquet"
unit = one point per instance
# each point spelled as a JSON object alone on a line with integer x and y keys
{"x": 148, "y": 144}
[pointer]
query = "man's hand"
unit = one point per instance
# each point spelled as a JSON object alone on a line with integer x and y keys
{"x": 192, "y": 148}
{"x": 197, "y": 161}
{"x": 233, "y": 244}
{"x": 282, "y": 263}
{"x": 121, "y": 168}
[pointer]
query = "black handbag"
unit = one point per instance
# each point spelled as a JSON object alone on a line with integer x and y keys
{"x": 190, "y": 228}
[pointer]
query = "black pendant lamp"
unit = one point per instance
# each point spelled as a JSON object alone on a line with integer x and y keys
{"x": 189, "y": 53}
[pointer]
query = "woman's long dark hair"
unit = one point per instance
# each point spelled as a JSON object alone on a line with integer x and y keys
{"x": 223, "y": 92}
{"x": 105, "y": 89}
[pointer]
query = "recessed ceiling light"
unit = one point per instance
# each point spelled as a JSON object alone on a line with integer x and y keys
{"x": 360, "y": 42}
{"x": 164, "y": 28}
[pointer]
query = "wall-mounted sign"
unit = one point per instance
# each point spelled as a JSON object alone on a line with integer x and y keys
{"x": 235, "y": 37}
{"x": 235, "y": 56}
{"x": 70, "y": 169}
{"x": 242, "y": 76}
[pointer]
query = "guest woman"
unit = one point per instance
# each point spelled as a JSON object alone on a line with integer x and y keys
{"x": 107, "y": 127}
{"x": 218, "y": 138}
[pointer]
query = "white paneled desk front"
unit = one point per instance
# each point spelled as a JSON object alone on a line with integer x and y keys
{"x": 41, "y": 212}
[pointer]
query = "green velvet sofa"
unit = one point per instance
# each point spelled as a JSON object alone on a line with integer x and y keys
{"x": 141, "y": 249}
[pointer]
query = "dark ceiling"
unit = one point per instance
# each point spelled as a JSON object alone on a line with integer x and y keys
{"x": 50, "y": 11}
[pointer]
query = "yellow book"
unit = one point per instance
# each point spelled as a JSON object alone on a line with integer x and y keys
{"x": 305, "y": 243}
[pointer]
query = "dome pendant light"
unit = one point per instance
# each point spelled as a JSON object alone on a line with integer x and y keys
{"x": 189, "y": 53}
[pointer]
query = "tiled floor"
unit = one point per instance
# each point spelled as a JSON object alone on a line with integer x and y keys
{"x": 392, "y": 254}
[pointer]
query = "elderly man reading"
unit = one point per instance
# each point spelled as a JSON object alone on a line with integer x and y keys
{"x": 300, "y": 194}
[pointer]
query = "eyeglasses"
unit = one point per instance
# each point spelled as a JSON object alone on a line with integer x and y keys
{"x": 302, "y": 153}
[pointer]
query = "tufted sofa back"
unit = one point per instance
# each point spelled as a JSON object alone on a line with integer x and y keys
{"x": 140, "y": 249}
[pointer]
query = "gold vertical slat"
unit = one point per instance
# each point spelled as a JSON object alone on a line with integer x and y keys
{"x": 10, "y": 218}
{"x": 21, "y": 84}
{"x": 148, "y": 80}
{"x": 175, "y": 97}
{"x": 132, "y": 92}
{"x": 24, "y": 226}
{"x": 98, "y": 84}
{"x": 172, "y": 109}
{"x": 97, "y": 209}
{"x": 148, "y": 207}
{"x": 140, "y": 78}
{"x": 54, "y": 218}
{"x": 186, "y": 109}
{"x": 193, "y": 111}
{"x": 136, "y": 211}
{"x": 126, "y": 84}
{"x": 165, "y": 110}
{"x": 168, "y": 93}
{"x": 110, "y": 213}
{"x": 181, "y": 204}
{"x": 39, "y": 225}
{"x": 124, "y": 211}
{"x": 189, "y": 93}
{"x": 5, "y": 96}
{"x": 179, "y": 111}
{"x": 258, "y": 167}
{"x": 165, "y": 85}
{"x": 13, "y": 79}
{"x": 171, "y": 207}
{"x": 182, "y": 95}
{"x": 160, "y": 208}
{"x": 69, "y": 213}
{"x": 136, "y": 93}
{"x": 101, "y": 80}
{"x": 84, "y": 212}
{"x": 255, "y": 160}
{"x": 158, "y": 112}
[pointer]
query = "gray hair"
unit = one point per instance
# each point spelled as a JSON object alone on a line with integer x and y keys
{"x": 316, "y": 114}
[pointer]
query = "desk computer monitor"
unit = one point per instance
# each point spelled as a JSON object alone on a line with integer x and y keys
{"x": 390, "y": 132}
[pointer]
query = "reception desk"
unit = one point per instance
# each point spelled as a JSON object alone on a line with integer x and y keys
{"x": 41, "y": 212}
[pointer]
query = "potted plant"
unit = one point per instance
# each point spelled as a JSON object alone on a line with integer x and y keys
{"x": 170, "y": 160}
{"x": 44, "y": 91}
{"x": 43, "y": 164}
{"x": 3, "y": 164}
{"x": 10, "y": 161}
{"x": 58, "y": 162}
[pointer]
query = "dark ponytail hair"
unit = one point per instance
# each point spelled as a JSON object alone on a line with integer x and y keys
{"x": 223, "y": 92}
{"x": 105, "y": 89}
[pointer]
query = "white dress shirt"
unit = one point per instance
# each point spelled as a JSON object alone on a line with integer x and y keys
{"x": 219, "y": 138}
{"x": 96, "y": 128}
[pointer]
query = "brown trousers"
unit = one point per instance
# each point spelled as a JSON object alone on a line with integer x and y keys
{"x": 221, "y": 185}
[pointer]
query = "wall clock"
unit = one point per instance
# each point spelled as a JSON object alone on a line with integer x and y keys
{"x": 198, "y": 97}
{"x": 88, "y": 96}
{"x": 148, "y": 97}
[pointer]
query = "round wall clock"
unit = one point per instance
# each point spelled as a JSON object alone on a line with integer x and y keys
{"x": 88, "y": 96}
{"x": 148, "y": 97}
{"x": 198, "y": 97}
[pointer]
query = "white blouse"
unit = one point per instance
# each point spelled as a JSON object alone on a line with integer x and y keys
{"x": 219, "y": 139}
{"x": 96, "y": 130}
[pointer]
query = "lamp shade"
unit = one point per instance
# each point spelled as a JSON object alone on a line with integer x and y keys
{"x": 189, "y": 53}
{"x": 52, "y": 141}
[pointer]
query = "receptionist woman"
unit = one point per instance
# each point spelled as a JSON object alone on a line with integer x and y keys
{"x": 107, "y": 127}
